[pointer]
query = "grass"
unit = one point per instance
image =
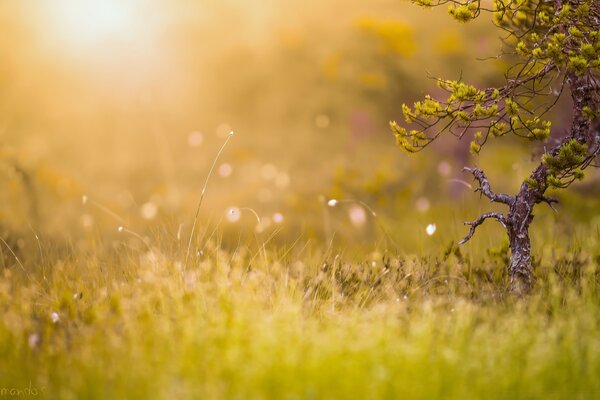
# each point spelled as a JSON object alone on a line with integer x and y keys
{"x": 314, "y": 307}
{"x": 296, "y": 324}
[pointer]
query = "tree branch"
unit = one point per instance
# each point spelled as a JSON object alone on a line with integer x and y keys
{"x": 474, "y": 224}
{"x": 484, "y": 187}
{"x": 550, "y": 201}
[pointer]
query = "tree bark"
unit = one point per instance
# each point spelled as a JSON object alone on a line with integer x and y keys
{"x": 518, "y": 220}
{"x": 520, "y": 268}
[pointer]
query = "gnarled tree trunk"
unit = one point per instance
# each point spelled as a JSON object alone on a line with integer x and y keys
{"x": 520, "y": 214}
{"x": 520, "y": 269}
{"x": 521, "y": 206}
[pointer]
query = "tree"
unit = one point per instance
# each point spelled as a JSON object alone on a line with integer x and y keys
{"x": 552, "y": 47}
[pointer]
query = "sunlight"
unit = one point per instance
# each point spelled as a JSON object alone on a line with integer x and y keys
{"x": 92, "y": 21}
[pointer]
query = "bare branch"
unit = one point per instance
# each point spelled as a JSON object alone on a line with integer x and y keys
{"x": 484, "y": 187}
{"x": 550, "y": 201}
{"x": 474, "y": 224}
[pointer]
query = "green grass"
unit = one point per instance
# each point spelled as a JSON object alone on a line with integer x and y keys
{"x": 309, "y": 324}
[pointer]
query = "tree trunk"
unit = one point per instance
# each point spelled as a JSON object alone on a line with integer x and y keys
{"x": 519, "y": 218}
{"x": 520, "y": 213}
{"x": 520, "y": 268}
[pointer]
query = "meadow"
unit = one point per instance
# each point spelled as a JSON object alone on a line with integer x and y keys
{"x": 304, "y": 321}
{"x": 315, "y": 260}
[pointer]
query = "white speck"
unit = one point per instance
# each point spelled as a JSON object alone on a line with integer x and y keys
{"x": 33, "y": 340}
{"x": 231, "y": 133}
{"x": 233, "y": 214}
{"x": 278, "y": 218}
{"x": 224, "y": 130}
{"x": 120, "y": 229}
{"x": 84, "y": 200}
{"x": 422, "y": 204}
{"x": 373, "y": 264}
{"x": 358, "y": 216}
{"x": 149, "y": 210}
{"x": 444, "y": 168}
{"x": 195, "y": 139}
{"x": 225, "y": 170}
{"x": 405, "y": 297}
{"x": 431, "y": 228}
{"x": 332, "y": 203}
{"x": 55, "y": 317}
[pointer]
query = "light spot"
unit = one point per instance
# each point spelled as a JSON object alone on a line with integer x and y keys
{"x": 224, "y": 130}
{"x": 120, "y": 229}
{"x": 195, "y": 139}
{"x": 55, "y": 317}
{"x": 233, "y": 214}
{"x": 444, "y": 168}
{"x": 332, "y": 203}
{"x": 263, "y": 225}
{"x": 282, "y": 180}
{"x": 87, "y": 221}
{"x": 225, "y": 170}
{"x": 322, "y": 121}
{"x": 278, "y": 218}
{"x": 92, "y": 21}
{"x": 431, "y": 228}
{"x": 358, "y": 216}
{"x": 190, "y": 280}
{"x": 149, "y": 210}
{"x": 268, "y": 172}
{"x": 179, "y": 231}
{"x": 84, "y": 200}
{"x": 422, "y": 204}
{"x": 33, "y": 340}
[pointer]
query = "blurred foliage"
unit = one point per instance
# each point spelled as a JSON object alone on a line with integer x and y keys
{"x": 308, "y": 92}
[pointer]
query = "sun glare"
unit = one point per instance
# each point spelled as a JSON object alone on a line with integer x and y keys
{"x": 92, "y": 21}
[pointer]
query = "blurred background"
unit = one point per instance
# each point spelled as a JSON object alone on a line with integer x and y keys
{"x": 112, "y": 112}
